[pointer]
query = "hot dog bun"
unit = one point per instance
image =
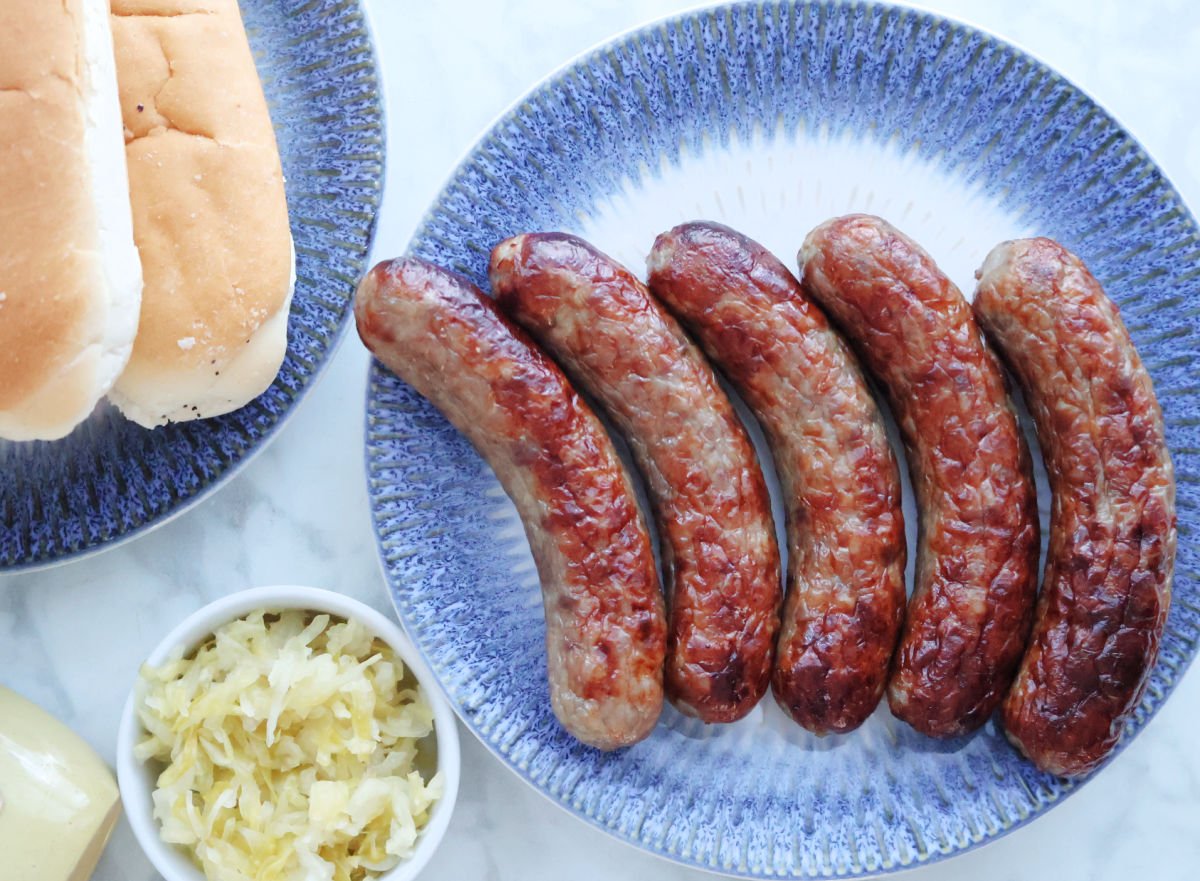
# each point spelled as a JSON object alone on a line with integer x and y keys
{"x": 209, "y": 212}
{"x": 70, "y": 280}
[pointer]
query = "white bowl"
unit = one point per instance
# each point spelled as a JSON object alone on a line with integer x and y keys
{"x": 137, "y": 779}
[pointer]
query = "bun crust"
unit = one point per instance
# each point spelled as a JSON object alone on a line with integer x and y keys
{"x": 70, "y": 279}
{"x": 209, "y": 212}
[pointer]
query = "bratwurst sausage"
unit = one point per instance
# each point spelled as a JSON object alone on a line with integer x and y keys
{"x": 845, "y": 530}
{"x": 1107, "y": 585}
{"x": 605, "y": 627}
{"x": 720, "y": 556}
{"x": 977, "y": 550}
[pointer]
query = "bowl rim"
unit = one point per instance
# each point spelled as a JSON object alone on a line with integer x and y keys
{"x": 136, "y": 783}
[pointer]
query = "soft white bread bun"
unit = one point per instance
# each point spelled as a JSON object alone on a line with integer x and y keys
{"x": 70, "y": 280}
{"x": 209, "y": 212}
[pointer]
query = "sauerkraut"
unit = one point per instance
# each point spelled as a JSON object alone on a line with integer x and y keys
{"x": 290, "y": 746}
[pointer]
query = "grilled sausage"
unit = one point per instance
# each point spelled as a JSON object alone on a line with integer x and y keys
{"x": 1107, "y": 585}
{"x": 720, "y": 555}
{"x": 605, "y": 627}
{"x": 845, "y": 530}
{"x": 977, "y": 549}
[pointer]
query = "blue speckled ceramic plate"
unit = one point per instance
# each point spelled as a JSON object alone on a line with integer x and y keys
{"x": 110, "y": 479}
{"x": 772, "y": 118}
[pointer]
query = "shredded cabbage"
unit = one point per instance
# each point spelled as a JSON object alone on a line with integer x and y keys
{"x": 289, "y": 746}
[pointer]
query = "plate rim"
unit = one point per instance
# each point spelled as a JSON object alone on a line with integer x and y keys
{"x": 707, "y": 7}
{"x": 553, "y": 79}
{"x": 375, "y": 369}
{"x": 235, "y": 470}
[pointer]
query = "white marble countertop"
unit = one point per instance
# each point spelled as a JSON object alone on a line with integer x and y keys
{"x": 72, "y": 637}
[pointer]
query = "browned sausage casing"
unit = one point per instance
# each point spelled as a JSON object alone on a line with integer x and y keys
{"x": 977, "y": 550}
{"x": 713, "y": 511}
{"x": 605, "y": 627}
{"x": 1107, "y": 585}
{"x": 846, "y": 553}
